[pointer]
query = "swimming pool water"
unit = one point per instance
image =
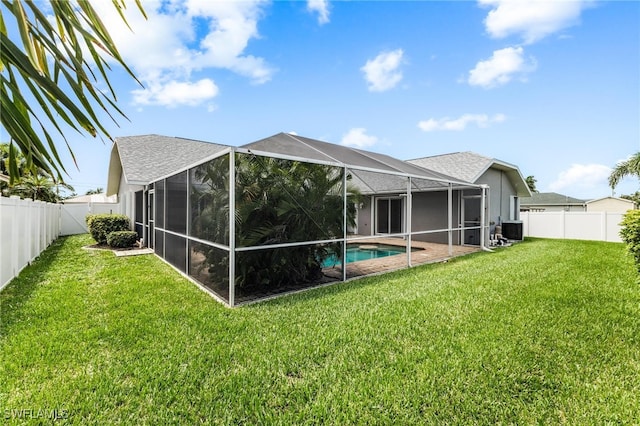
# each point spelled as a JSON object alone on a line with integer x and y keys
{"x": 356, "y": 254}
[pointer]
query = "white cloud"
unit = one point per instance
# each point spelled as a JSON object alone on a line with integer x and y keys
{"x": 181, "y": 37}
{"x": 461, "y": 123}
{"x": 503, "y": 65}
{"x": 582, "y": 177}
{"x": 358, "y": 138}
{"x": 174, "y": 93}
{"x": 532, "y": 19}
{"x": 382, "y": 73}
{"x": 320, "y": 6}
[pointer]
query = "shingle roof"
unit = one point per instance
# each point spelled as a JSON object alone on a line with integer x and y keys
{"x": 143, "y": 159}
{"x": 146, "y": 158}
{"x": 469, "y": 166}
{"x": 550, "y": 199}
{"x": 463, "y": 165}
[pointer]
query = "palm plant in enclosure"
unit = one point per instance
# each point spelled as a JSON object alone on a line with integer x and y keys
{"x": 283, "y": 201}
{"x": 210, "y": 215}
{"x": 277, "y": 202}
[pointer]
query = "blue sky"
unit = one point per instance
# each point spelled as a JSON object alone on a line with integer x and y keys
{"x": 552, "y": 87}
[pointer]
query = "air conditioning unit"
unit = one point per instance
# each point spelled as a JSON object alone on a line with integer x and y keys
{"x": 512, "y": 230}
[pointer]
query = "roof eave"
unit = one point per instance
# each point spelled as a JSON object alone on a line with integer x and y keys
{"x": 115, "y": 171}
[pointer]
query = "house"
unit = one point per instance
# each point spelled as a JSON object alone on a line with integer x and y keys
{"x": 610, "y": 205}
{"x": 552, "y": 202}
{"x": 300, "y": 206}
{"x": 507, "y": 187}
{"x": 136, "y": 161}
{"x": 92, "y": 199}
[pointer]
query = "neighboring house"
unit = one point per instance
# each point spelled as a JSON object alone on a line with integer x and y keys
{"x": 92, "y": 198}
{"x": 508, "y": 188}
{"x": 552, "y": 202}
{"x": 610, "y": 205}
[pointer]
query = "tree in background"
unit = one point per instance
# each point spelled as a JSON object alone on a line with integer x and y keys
{"x": 34, "y": 105}
{"x": 31, "y": 183}
{"x": 531, "y": 183}
{"x": 629, "y": 167}
{"x": 633, "y": 197}
{"x": 39, "y": 186}
{"x": 95, "y": 191}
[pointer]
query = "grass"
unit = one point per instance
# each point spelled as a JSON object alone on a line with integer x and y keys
{"x": 544, "y": 332}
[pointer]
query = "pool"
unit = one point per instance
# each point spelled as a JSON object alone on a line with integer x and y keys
{"x": 356, "y": 253}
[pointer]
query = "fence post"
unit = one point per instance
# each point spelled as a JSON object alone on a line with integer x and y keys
{"x": 15, "y": 233}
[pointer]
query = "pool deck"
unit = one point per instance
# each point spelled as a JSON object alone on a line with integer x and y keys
{"x": 429, "y": 253}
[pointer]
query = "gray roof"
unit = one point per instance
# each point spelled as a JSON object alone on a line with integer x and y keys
{"x": 551, "y": 199}
{"x": 469, "y": 166}
{"x": 143, "y": 159}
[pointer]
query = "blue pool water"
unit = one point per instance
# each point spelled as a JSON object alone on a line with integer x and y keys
{"x": 356, "y": 254}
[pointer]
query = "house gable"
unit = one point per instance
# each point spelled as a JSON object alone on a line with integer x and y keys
{"x": 142, "y": 159}
{"x": 472, "y": 167}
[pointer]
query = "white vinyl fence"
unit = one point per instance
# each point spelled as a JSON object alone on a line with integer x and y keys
{"x": 598, "y": 226}
{"x": 26, "y": 228}
{"x": 73, "y": 216}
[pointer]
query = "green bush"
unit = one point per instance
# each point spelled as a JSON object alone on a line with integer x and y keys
{"x": 630, "y": 234}
{"x": 122, "y": 239}
{"x": 101, "y": 225}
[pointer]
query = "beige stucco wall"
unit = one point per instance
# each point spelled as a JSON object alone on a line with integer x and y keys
{"x": 610, "y": 204}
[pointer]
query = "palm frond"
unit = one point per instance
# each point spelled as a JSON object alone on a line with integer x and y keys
{"x": 75, "y": 42}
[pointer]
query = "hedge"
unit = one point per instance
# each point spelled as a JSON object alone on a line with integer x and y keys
{"x": 122, "y": 239}
{"x": 630, "y": 234}
{"x": 101, "y": 225}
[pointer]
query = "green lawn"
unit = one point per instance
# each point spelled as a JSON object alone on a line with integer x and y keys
{"x": 544, "y": 332}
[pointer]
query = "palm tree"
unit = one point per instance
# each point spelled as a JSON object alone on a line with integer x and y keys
{"x": 95, "y": 191}
{"x": 31, "y": 99}
{"x": 629, "y": 167}
{"x": 38, "y": 186}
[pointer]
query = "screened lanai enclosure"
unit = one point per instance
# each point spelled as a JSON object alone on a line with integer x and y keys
{"x": 288, "y": 213}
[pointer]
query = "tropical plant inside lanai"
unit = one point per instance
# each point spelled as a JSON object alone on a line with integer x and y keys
{"x": 277, "y": 202}
{"x": 210, "y": 219}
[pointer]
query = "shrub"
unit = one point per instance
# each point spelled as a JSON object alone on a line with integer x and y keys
{"x": 630, "y": 234}
{"x": 122, "y": 239}
{"x": 101, "y": 225}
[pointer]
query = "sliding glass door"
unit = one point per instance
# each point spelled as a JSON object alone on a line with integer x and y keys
{"x": 389, "y": 215}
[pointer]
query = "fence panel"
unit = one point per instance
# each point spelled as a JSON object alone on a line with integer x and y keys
{"x": 73, "y": 219}
{"x": 26, "y": 229}
{"x": 597, "y": 226}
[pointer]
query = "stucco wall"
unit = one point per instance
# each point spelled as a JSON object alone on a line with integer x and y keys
{"x": 429, "y": 213}
{"x": 609, "y": 204}
{"x": 500, "y": 192}
{"x": 126, "y": 199}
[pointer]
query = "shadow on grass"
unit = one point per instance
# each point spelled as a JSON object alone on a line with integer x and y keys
{"x": 20, "y": 290}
